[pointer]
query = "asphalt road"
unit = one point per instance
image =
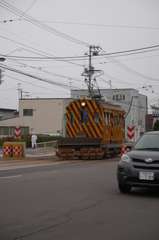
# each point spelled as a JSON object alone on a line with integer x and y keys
{"x": 79, "y": 201}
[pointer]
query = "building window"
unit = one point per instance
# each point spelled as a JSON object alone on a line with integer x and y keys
{"x": 27, "y": 112}
{"x": 118, "y": 97}
{"x": 96, "y": 117}
{"x": 72, "y": 118}
{"x": 4, "y": 130}
{"x": 24, "y": 130}
{"x": 123, "y": 97}
{"x": 113, "y": 97}
{"x": 84, "y": 116}
{"x": 12, "y": 131}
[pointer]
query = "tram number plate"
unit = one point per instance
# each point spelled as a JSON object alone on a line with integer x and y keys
{"x": 146, "y": 175}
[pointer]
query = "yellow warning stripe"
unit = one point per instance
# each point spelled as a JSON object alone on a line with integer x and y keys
{"x": 96, "y": 109}
{"x": 96, "y": 131}
{"x": 69, "y": 127}
{"x": 76, "y": 116}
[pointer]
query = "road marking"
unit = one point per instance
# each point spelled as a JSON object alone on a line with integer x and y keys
{"x": 11, "y": 176}
{"x": 54, "y": 171}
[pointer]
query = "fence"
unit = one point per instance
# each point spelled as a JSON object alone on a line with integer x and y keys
{"x": 46, "y": 147}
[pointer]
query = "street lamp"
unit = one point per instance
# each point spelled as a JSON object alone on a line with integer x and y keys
{"x": 2, "y": 59}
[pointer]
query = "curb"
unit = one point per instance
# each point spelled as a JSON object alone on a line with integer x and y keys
{"x": 30, "y": 158}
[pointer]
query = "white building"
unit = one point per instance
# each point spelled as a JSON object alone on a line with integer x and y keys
{"x": 37, "y": 115}
{"x": 155, "y": 112}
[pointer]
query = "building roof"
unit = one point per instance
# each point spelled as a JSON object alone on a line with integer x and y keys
{"x": 7, "y": 109}
{"x": 105, "y": 89}
{"x": 22, "y": 99}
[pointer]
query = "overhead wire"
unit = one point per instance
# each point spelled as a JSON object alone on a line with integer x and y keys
{"x": 121, "y": 65}
{"x": 50, "y": 58}
{"x": 39, "y": 39}
{"x": 48, "y": 72}
{"x": 33, "y": 76}
{"x": 66, "y": 86}
{"x": 27, "y": 9}
{"x": 89, "y": 24}
{"x": 129, "y": 52}
{"x": 32, "y": 20}
{"x": 32, "y": 83}
{"x": 116, "y": 90}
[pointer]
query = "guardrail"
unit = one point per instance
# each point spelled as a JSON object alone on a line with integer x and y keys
{"x": 46, "y": 147}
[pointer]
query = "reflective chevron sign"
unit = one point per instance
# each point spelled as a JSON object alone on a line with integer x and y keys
{"x": 17, "y": 131}
{"x": 130, "y": 132}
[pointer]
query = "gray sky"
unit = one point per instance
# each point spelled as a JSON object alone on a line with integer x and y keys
{"x": 114, "y": 25}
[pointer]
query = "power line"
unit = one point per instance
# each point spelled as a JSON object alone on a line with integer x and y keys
{"x": 29, "y": 84}
{"x": 51, "y": 73}
{"x": 121, "y": 65}
{"x": 28, "y": 8}
{"x": 32, "y": 20}
{"x": 90, "y": 24}
{"x": 104, "y": 25}
{"x": 128, "y": 52}
{"x": 59, "y": 84}
{"x": 36, "y": 50}
{"x": 41, "y": 40}
{"x": 44, "y": 80}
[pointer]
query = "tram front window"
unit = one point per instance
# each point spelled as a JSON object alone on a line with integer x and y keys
{"x": 84, "y": 116}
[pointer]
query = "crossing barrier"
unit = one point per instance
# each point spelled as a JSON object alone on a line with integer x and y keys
{"x": 17, "y": 150}
{"x": 126, "y": 147}
{"x": 7, "y": 150}
{"x": 14, "y": 149}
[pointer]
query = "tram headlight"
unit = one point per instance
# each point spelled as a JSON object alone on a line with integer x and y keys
{"x": 83, "y": 104}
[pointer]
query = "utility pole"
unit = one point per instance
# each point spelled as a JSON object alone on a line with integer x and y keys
{"x": 90, "y": 74}
{"x": 70, "y": 88}
{"x": 110, "y": 90}
{"x": 19, "y": 93}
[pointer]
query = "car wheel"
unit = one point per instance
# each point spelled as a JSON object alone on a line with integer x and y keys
{"x": 124, "y": 188}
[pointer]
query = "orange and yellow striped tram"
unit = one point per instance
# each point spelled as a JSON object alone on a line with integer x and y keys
{"x": 94, "y": 130}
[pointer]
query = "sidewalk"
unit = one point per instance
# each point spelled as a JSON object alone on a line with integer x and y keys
{"x": 29, "y": 158}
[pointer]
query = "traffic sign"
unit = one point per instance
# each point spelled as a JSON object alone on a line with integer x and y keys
{"x": 17, "y": 131}
{"x": 130, "y": 132}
